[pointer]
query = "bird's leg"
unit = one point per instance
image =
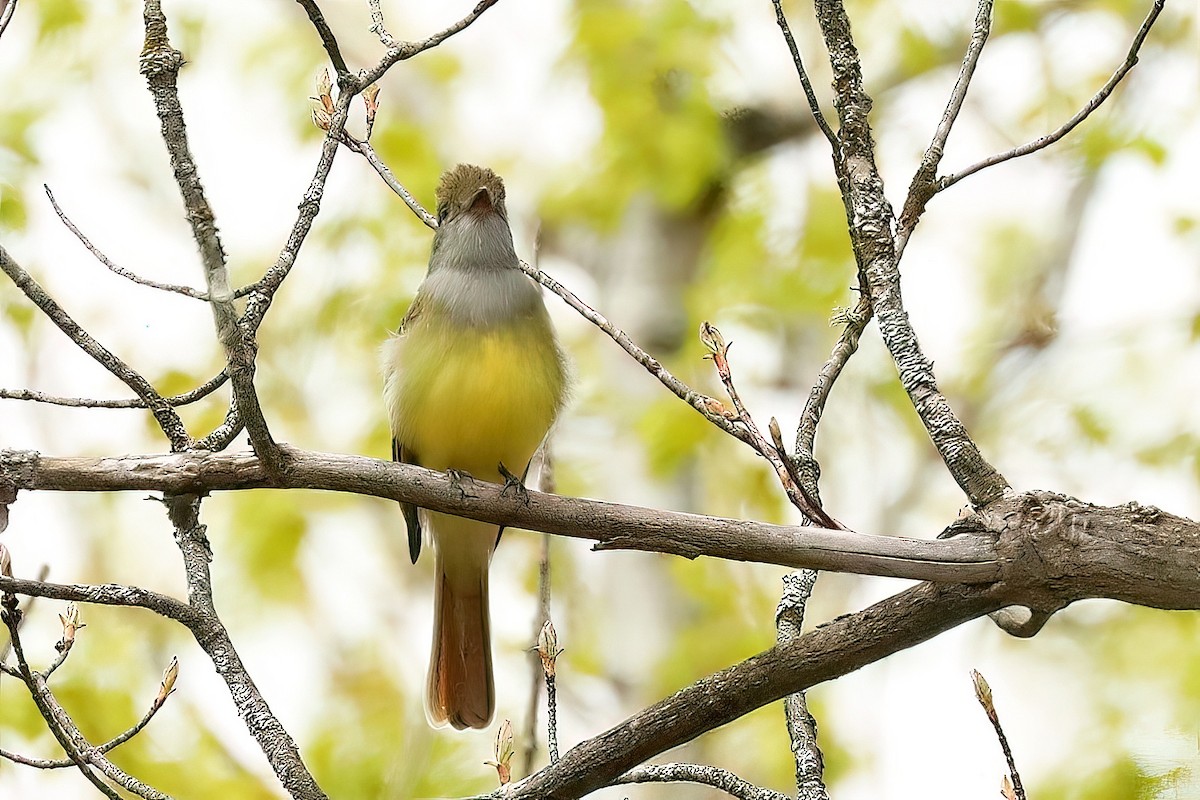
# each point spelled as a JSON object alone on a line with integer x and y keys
{"x": 457, "y": 478}
{"x": 514, "y": 483}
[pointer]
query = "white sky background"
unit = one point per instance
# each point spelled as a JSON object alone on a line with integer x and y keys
{"x": 913, "y": 715}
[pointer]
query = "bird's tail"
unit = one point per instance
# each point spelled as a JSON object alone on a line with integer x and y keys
{"x": 460, "y": 689}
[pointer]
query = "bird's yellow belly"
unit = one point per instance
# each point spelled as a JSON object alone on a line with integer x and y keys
{"x": 472, "y": 399}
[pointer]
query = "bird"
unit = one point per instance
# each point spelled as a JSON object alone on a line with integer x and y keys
{"x": 474, "y": 378}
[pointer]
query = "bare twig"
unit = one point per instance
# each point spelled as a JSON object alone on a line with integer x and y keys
{"x": 813, "y": 105}
{"x": 402, "y": 51}
{"x": 201, "y": 391}
{"x": 548, "y": 653}
{"x": 1131, "y": 59}
{"x": 186, "y": 291}
{"x": 166, "y": 417}
{"x": 983, "y": 693}
{"x": 328, "y": 40}
{"x": 111, "y": 744}
{"x": 855, "y": 323}
{"x": 365, "y": 150}
{"x": 160, "y": 63}
{"x": 924, "y": 182}
{"x": 80, "y": 753}
{"x": 540, "y": 618}
{"x": 7, "y": 9}
{"x": 801, "y": 726}
{"x": 774, "y": 453}
{"x": 377, "y": 26}
{"x": 715, "y": 777}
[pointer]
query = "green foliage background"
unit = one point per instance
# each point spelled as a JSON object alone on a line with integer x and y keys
{"x": 664, "y": 151}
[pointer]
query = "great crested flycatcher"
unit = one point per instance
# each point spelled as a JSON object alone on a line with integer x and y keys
{"x": 474, "y": 378}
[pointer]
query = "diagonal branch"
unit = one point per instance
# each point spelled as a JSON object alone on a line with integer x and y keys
{"x": 7, "y": 9}
{"x": 210, "y": 633}
{"x": 328, "y": 40}
{"x": 166, "y": 417}
{"x": 870, "y": 219}
{"x": 805, "y": 83}
{"x": 1131, "y": 60}
{"x": 186, "y": 291}
{"x": 841, "y": 646}
{"x": 924, "y": 182}
{"x": 160, "y": 63}
{"x": 855, "y": 322}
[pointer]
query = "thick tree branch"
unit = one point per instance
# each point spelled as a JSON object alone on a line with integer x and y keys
{"x": 613, "y": 526}
{"x": 166, "y": 417}
{"x": 1047, "y": 549}
{"x": 841, "y": 646}
{"x": 870, "y": 218}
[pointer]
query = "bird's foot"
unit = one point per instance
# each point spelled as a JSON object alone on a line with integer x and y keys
{"x": 457, "y": 478}
{"x": 514, "y": 484}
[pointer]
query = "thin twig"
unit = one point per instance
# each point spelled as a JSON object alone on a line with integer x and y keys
{"x": 801, "y": 726}
{"x": 166, "y": 417}
{"x": 715, "y": 777}
{"x": 924, "y": 181}
{"x": 402, "y": 51}
{"x": 535, "y": 662}
{"x": 377, "y": 26}
{"x": 328, "y": 40}
{"x": 57, "y": 721}
{"x": 186, "y": 291}
{"x": 774, "y": 453}
{"x": 365, "y": 150}
{"x": 201, "y": 391}
{"x": 855, "y": 322}
{"x": 813, "y": 105}
{"x": 110, "y": 745}
{"x": 1131, "y": 59}
{"x": 6, "y": 13}
{"x": 983, "y": 693}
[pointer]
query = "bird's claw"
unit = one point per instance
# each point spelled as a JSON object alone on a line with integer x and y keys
{"x": 457, "y": 478}
{"x": 513, "y": 483}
